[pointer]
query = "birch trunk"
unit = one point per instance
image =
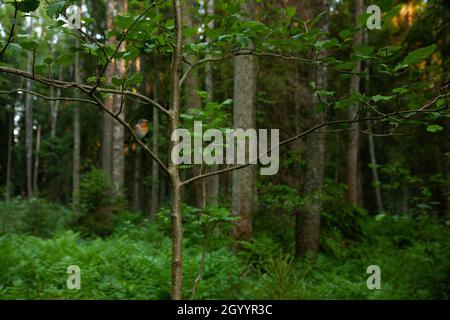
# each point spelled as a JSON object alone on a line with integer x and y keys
{"x": 373, "y": 162}
{"x": 118, "y": 134}
{"x": 109, "y": 103}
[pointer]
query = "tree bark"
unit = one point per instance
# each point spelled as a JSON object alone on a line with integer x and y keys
{"x": 373, "y": 161}
{"x": 118, "y": 134}
{"x": 155, "y": 144}
{"x": 54, "y": 109}
{"x": 191, "y": 98}
{"x": 137, "y": 172}
{"x": 353, "y": 142}
{"x": 244, "y": 117}
{"x": 177, "y": 224}
{"x": 136, "y": 198}
{"x": 308, "y": 222}
{"x": 36, "y": 159}
{"x": 29, "y": 125}
{"x": 109, "y": 103}
{"x": 9, "y": 152}
{"x": 211, "y": 184}
{"x": 76, "y": 133}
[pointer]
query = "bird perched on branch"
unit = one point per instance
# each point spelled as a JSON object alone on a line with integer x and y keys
{"x": 140, "y": 129}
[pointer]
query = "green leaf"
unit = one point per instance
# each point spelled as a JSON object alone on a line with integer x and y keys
{"x": 317, "y": 18}
{"x": 364, "y": 50}
{"x": 417, "y": 55}
{"x": 189, "y": 32}
{"x": 325, "y": 93}
{"x": 434, "y": 128}
{"x": 381, "y": 98}
{"x": 13, "y": 50}
{"x": 399, "y": 90}
{"x": 290, "y": 12}
{"x": 328, "y": 43}
{"x": 27, "y": 5}
{"x": 388, "y": 51}
{"x": 41, "y": 68}
{"x": 117, "y": 81}
{"x": 134, "y": 80}
{"x": 48, "y": 60}
{"x": 54, "y": 8}
{"x": 346, "y": 65}
{"x": 28, "y": 43}
{"x": 123, "y": 22}
{"x": 66, "y": 58}
{"x": 346, "y": 35}
{"x": 227, "y": 102}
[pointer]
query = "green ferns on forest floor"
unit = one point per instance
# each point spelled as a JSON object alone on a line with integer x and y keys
{"x": 134, "y": 262}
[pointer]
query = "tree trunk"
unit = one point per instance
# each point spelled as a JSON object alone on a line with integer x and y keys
{"x": 29, "y": 125}
{"x": 155, "y": 144}
{"x": 244, "y": 117}
{"x": 76, "y": 133}
{"x": 9, "y": 153}
{"x": 36, "y": 159}
{"x": 118, "y": 134}
{"x": 136, "y": 198}
{"x": 308, "y": 222}
{"x": 177, "y": 224}
{"x": 353, "y": 142}
{"x": 211, "y": 184}
{"x": 109, "y": 103}
{"x": 373, "y": 162}
{"x": 191, "y": 98}
{"x": 54, "y": 109}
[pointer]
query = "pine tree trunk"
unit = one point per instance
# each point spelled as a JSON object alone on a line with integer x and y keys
{"x": 76, "y": 134}
{"x": 244, "y": 117}
{"x": 36, "y": 159}
{"x": 191, "y": 98}
{"x": 29, "y": 126}
{"x": 308, "y": 222}
{"x": 155, "y": 144}
{"x": 136, "y": 198}
{"x": 9, "y": 153}
{"x": 353, "y": 142}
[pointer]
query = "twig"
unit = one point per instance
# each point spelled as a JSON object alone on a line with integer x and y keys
{"x": 11, "y": 32}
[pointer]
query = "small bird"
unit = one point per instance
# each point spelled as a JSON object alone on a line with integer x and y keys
{"x": 140, "y": 129}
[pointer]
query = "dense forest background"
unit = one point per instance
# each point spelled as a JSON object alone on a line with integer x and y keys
{"x": 363, "y": 118}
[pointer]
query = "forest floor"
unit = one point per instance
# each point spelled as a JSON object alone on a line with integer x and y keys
{"x": 133, "y": 262}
